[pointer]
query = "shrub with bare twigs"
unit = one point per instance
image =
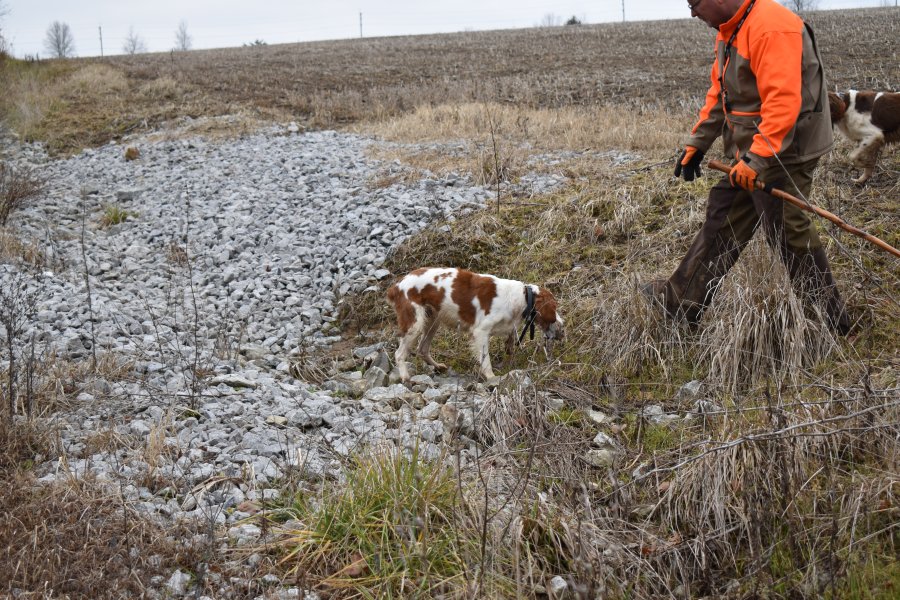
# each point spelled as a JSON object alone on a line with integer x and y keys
{"x": 18, "y": 186}
{"x": 18, "y": 304}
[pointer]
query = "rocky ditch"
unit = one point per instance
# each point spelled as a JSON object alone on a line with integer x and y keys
{"x": 196, "y": 273}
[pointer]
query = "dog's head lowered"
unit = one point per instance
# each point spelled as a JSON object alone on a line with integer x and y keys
{"x": 547, "y": 318}
{"x": 837, "y": 105}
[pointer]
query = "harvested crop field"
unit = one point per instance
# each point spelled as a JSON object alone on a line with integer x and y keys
{"x": 653, "y": 66}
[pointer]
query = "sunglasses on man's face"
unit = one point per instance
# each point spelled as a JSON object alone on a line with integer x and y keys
{"x": 693, "y": 5}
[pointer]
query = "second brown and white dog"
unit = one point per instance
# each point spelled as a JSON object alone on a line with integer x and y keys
{"x": 484, "y": 305}
{"x": 872, "y": 119}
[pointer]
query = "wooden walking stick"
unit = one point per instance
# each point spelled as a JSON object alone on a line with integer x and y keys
{"x": 781, "y": 194}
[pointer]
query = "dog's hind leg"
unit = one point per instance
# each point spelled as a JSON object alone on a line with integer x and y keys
{"x": 866, "y": 156}
{"x": 425, "y": 345}
{"x": 406, "y": 342}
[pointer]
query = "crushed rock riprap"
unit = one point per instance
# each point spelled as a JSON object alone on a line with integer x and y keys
{"x": 221, "y": 258}
{"x": 275, "y": 229}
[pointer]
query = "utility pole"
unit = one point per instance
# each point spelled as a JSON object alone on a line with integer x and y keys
{"x": 623, "y": 11}
{"x": 100, "y": 29}
{"x": 360, "y": 24}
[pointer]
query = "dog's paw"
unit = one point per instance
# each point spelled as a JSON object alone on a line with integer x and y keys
{"x": 492, "y": 382}
{"x": 440, "y": 367}
{"x": 862, "y": 179}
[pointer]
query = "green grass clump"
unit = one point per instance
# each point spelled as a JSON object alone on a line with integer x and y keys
{"x": 876, "y": 579}
{"x": 567, "y": 416}
{"x": 393, "y": 529}
{"x": 650, "y": 438}
{"x": 113, "y": 214}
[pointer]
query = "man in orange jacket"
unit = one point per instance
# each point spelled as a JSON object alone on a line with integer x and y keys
{"x": 768, "y": 101}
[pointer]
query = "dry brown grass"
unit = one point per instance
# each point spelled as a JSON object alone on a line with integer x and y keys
{"x": 74, "y": 541}
{"x": 79, "y": 538}
{"x": 58, "y": 381}
{"x": 66, "y": 540}
{"x": 14, "y": 249}
{"x": 777, "y": 486}
{"x": 27, "y": 98}
{"x": 772, "y": 499}
{"x": 576, "y": 128}
{"x": 650, "y": 68}
{"x": 760, "y": 332}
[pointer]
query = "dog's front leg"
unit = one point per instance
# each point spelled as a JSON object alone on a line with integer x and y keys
{"x": 481, "y": 348}
{"x": 510, "y": 348}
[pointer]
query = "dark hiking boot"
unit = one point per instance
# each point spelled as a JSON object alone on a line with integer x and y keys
{"x": 812, "y": 278}
{"x": 658, "y": 294}
{"x": 655, "y": 294}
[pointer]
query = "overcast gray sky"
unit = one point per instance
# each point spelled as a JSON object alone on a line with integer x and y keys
{"x": 221, "y": 23}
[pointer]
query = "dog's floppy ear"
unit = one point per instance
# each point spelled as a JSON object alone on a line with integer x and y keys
{"x": 545, "y": 306}
{"x": 837, "y": 106}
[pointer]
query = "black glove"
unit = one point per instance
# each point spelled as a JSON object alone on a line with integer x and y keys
{"x": 688, "y": 165}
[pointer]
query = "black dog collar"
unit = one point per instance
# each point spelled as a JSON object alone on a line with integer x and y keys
{"x": 529, "y": 313}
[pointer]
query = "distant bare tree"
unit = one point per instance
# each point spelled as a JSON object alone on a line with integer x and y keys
{"x": 182, "y": 37}
{"x": 3, "y": 12}
{"x": 799, "y": 6}
{"x": 59, "y": 42}
{"x": 550, "y": 20}
{"x": 133, "y": 43}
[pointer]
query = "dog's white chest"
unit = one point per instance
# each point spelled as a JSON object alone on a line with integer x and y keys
{"x": 858, "y": 126}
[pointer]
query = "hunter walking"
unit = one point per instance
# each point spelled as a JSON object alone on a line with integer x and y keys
{"x": 768, "y": 101}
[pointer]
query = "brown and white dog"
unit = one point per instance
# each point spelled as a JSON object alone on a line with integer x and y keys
{"x": 484, "y": 305}
{"x": 872, "y": 119}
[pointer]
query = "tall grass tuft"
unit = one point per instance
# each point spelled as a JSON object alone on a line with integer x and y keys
{"x": 776, "y": 495}
{"x": 758, "y": 327}
{"x": 634, "y": 334}
{"x": 395, "y": 528}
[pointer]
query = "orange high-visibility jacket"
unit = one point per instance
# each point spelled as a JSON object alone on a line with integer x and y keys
{"x": 774, "y": 84}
